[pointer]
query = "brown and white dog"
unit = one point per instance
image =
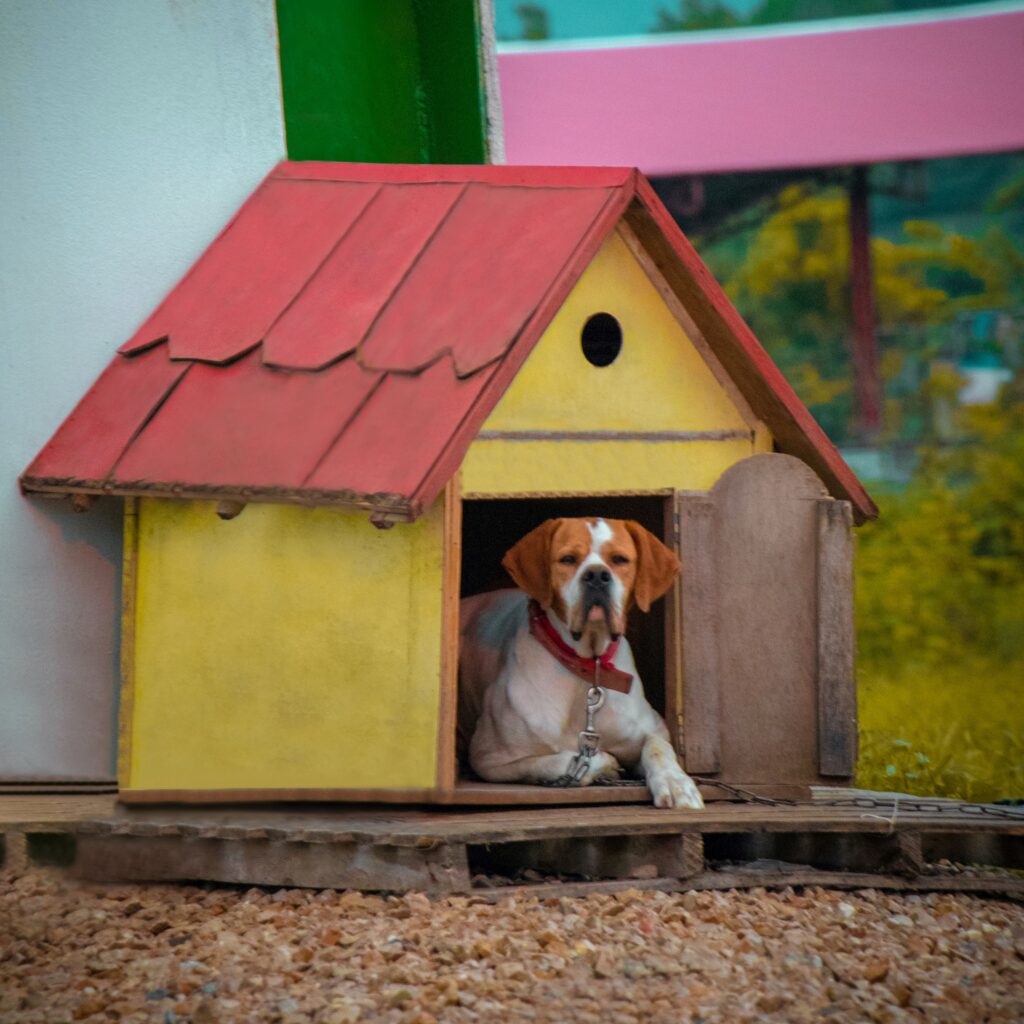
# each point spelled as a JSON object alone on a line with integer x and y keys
{"x": 522, "y": 705}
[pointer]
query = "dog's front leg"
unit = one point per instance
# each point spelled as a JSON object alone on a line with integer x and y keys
{"x": 669, "y": 784}
{"x": 549, "y": 768}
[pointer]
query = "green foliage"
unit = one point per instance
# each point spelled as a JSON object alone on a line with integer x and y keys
{"x": 955, "y": 731}
{"x": 940, "y": 619}
{"x": 694, "y": 15}
{"x": 792, "y": 285}
{"x": 534, "y": 21}
{"x": 942, "y": 571}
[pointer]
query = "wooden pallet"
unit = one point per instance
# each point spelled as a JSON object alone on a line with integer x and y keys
{"x": 584, "y": 849}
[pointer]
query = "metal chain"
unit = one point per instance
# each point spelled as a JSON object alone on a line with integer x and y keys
{"x": 589, "y": 738}
{"x": 870, "y": 803}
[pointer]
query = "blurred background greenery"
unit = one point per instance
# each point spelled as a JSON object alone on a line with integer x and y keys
{"x": 940, "y": 575}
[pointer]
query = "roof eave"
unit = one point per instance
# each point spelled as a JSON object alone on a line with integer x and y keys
{"x": 387, "y": 506}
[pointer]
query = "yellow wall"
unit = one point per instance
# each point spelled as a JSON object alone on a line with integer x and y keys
{"x": 659, "y": 382}
{"x": 289, "y": 647}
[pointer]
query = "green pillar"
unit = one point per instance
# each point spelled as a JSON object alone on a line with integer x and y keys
{"x": 383, "y": 81}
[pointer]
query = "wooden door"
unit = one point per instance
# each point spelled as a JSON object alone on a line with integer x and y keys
{"x": 769, "y": 698}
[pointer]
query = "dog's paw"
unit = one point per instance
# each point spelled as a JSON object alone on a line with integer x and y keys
{"x": 674, "y": 789}
{"x": 603, "y": 766}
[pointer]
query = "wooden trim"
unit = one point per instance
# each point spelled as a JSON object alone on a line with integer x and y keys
{"x": 616, "y": 435}
{"x": 129, "y": 588}
{"x": 421, "y": 174}
{"x": 656, "y": 436}
{"x": 231, "y": 796}
{"x": 451, "y": 572}
{"x": 693, "y": 332}
{"x": 396, "y": 506}
{"x": 464, "y": 793}
{"x": 702, "y": 746}
{"x": 673, "y": 634}
{"x": 512, "y": 495}
{"x": 504, "y": 794}
{"x": 837, "y": 689}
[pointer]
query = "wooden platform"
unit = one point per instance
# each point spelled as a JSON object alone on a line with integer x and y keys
{"x": 842, "y": 838}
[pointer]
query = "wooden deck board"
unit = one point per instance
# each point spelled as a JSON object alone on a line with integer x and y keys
{"x": 398, "y": 826}
{"x": 844, "y": 844}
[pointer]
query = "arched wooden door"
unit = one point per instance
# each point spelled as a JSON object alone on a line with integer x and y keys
{"x": 769, "y": 695}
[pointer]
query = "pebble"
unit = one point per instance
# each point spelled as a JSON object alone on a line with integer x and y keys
{"x": 71, "y": 952}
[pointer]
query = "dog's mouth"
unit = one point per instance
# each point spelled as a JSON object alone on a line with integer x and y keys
{"x": 597, "y": 612}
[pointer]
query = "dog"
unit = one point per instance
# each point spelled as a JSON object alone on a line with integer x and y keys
{"x": 526, "y": 657}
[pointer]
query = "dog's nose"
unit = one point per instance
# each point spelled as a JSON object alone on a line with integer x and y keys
{"x": 597, "y": 578}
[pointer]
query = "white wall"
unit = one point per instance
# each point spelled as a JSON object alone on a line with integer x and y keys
{"x": 130, "y": 130}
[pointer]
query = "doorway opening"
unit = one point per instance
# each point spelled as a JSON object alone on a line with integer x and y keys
{"x": 490, "y": 526}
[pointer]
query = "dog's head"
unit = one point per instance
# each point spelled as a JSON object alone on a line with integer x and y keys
{"x": 589, "y": 571}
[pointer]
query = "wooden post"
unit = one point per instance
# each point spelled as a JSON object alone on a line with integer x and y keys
{"x": 129, "y": 578}
{"x": 837, "y": 693}
{"x": 867, "y": 378}
{"x": 451, "y": 575}
{"x": 701, "y": 725}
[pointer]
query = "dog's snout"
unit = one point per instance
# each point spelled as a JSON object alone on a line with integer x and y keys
{"x": 597, "y": 578}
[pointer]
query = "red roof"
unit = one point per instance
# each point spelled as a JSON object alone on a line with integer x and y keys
{"x": 344, "y": 337}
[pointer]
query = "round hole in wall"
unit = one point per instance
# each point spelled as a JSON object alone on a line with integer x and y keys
{"x": 601, "y": 339}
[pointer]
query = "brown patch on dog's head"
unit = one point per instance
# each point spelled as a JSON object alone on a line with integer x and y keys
{"x": 528, "y": 562}
{"x": 656, "y": 568}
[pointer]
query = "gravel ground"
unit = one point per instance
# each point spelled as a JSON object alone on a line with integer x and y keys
{"x": 167, "y": 954}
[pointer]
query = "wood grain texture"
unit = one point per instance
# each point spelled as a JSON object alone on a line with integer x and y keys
{"x": 766, "y": 577}
{"x": 699, "y": 603}
{"x": 650, "y": 436}
{"x": 466, "y": 794}
{"x": 451, "y": 568}
{"x": 837, "y": 682}
{"x": 673, "y": 633}
{"x": 331, "y": 822}
{"x": 348, "y": 866}
{"x": 129, "y": 580}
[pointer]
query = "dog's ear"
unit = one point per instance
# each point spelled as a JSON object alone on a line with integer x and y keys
{"x": 529, "y": 562}
{"x": 656, "y": 566}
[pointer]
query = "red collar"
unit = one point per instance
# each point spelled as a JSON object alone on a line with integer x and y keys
{"x": 611, "y": 678}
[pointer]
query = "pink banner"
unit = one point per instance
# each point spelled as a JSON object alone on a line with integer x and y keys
{"x": 907, "y": 90}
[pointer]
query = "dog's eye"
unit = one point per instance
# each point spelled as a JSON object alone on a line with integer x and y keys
{"x": 568, "y": 559}
{"x": 620, "y": 560}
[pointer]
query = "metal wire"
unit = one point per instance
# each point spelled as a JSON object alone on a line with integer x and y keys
{"x": 925, "y": 806}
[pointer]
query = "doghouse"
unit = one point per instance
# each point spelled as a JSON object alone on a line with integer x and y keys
{"x": 368, "y": 387}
